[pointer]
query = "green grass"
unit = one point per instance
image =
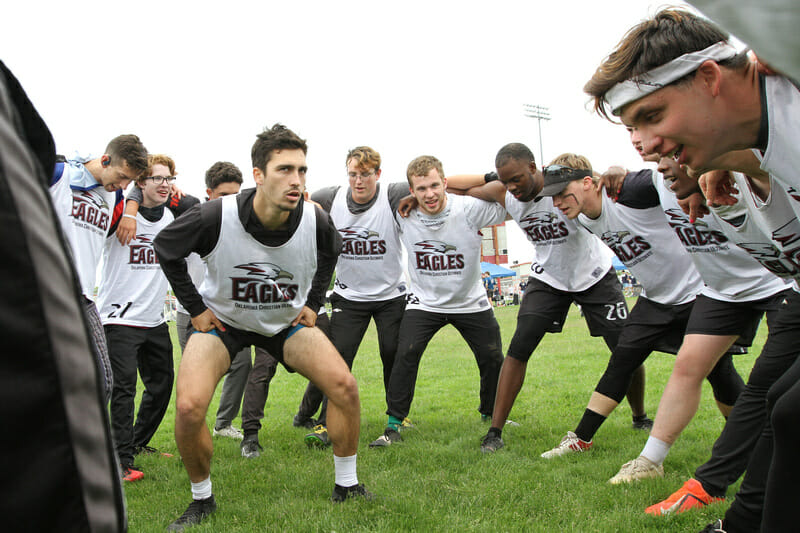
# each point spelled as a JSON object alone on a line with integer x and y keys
{"x": 437, "y": 479}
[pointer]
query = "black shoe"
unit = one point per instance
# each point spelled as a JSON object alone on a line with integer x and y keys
{"x": 491, "y": 443}
{"x": 716, "y": 527}
{"x": 197, "y": 511}
{"x": 340, "y": 493}
{"x": 642, "y": 422}
{"x": 303, "y": 422}
{"x": 251, "y": 448}
{"x": 389, "y": 437}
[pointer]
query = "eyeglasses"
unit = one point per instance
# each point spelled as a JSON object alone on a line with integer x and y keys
{"x": 363, "y": 175}
{"x": 158, "y": 180}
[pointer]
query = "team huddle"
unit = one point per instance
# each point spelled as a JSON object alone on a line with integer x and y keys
{"x": 712, "y": 235}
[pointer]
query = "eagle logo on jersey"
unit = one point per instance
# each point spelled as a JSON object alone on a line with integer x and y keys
{"x": 788, "y": 234}
{"x": 261, "y": 284}
{"x": 629, "y": 249}
{"x": 693, "y": 235}
{"x": 90, "y": 209}
{"x": 359, "y": 241}
{"x": 544, "y": 226}
{"x": 614, "y": 238}
{"x": 141, "y": 250}
{"x": 433, "y": 256}
{"x": 783, "y": 264}
{"x": 791, "y": 191}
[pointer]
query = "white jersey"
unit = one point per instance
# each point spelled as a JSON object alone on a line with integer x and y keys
{"x": 86, "y": 221}
{"x": 197, "y": 272}
{"x": 769, "y": 230}
{"x": 730, "y": 274}
{"x": 444, "y": 255}
{"x": 568, "y": 257}
{"x": 255, "y": 287}
{"x": 132, "y": 285}
{"x": 645, "y": 243}
{"x": 370, "y": 267}
{"x": 782, "y": 156}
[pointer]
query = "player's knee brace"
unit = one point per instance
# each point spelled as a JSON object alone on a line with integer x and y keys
{"x": 529, "y": 333}
{"x": 725, "y": 381}
{"x": 617, "y": 378}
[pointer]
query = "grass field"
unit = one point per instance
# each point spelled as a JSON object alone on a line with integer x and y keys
{"x": 437, "y": 479}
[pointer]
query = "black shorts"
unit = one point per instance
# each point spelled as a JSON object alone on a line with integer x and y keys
{"x": 603, "y": 304}
{"x": 715, "y": 317}
{"x": 236, "y": 339}
{"x": 660, "y": 326}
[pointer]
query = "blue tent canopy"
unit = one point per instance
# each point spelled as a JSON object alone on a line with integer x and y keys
{"x": 496, "y": 271}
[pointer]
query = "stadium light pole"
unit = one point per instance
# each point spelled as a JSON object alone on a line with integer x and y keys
{"x": 540, "y": 113}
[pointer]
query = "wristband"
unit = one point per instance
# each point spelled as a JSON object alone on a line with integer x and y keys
{"x": 126, "y": 215}
{"x": 490, "y": 176}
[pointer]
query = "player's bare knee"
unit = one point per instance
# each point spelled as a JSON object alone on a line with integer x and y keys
{"x": 190, "y": 410}
{"x": 344, "y": 389}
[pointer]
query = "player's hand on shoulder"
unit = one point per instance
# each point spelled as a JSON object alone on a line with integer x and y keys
{"x": 407, "y": 203}
{"x": 718, "y": 187}
{"x": 612, "y": 179}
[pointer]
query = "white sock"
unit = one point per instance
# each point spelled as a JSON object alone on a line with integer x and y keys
{"x": 202, "y": 490}
{"x": 656, "y": 450}
{"x": 345, "y": 471}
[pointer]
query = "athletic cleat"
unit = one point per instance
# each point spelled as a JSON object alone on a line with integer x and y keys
{"x": 389, "y": 437}
{"x": 644, "y": 423}
{"x": 639, "y": 468}
{"x": 318, "y": 438}
{"x": 716, "y": 527}
{"x": 340, "y": 493}
{"x": 197, "y": 511}
{"x": 491, "y": 443}
{"x": 230, "y": 432}
{"x": 149, "y": 450}
{"x": 131, "y": 473}
{"x": 251, "y": 448}
{"x": 407, "y": 424}
{"x": 691, "y": 495}
{"x": 303, "y": 422}
{"x": 569, "y": 444}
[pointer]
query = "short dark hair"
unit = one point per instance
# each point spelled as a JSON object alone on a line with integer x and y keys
{"x": 515, "y": 151}
{"x": 669, "y": 34}
{"x": 130, "y": 150}
{"x": 222, "y": 172}
{"x": 278, "y": 137}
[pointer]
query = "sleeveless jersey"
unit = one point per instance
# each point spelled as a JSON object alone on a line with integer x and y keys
{"x": 197, "y": 272}
{"x": 645, "y": 243}
{"x": 88, "y": 215}
{"x": 255, "y": 287}
{"x": 132, "y": 285}
{"x": 770, "y": 230}
{"x": 568, "y": 257}
{"x": 730, "y": 274}
{"x": 782, "y": 156}
{"x": 370, "y": 267}
{"x": 444, "y": 261}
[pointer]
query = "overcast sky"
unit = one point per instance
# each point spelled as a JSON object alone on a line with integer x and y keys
{"x": 197, "y": 80}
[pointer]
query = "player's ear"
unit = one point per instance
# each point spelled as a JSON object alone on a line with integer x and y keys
{"x": 258, "y": 176}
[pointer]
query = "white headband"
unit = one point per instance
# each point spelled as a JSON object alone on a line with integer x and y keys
{"x": 631, "y": 90}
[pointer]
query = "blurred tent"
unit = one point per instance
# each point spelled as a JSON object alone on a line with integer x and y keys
{"x": 496, "y": 271}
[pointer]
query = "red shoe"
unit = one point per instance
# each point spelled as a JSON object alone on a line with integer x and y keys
{"x": 131, "y": 473}
{"x": 691, "y": 495}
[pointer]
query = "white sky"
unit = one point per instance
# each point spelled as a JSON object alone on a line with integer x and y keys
{"x": 197, "y": 80}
